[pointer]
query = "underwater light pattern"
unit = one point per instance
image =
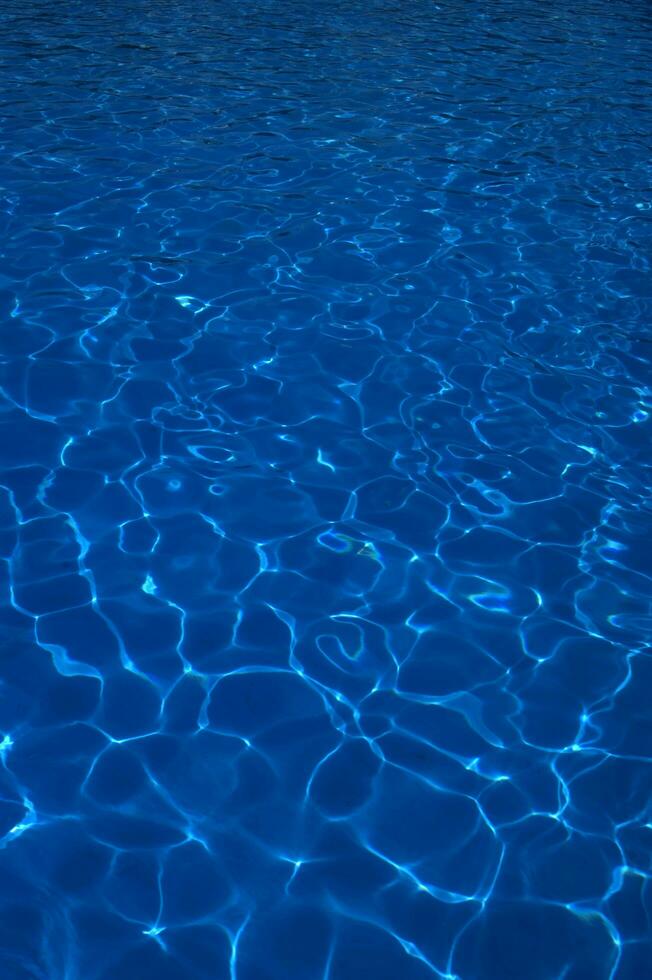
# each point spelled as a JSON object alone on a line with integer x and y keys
{"x": 325, "y": 507}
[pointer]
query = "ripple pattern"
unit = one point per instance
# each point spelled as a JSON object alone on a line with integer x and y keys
{"x": 325, "y": 508}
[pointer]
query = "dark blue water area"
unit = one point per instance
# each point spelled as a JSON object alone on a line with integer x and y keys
{"x": 325, "y": 507}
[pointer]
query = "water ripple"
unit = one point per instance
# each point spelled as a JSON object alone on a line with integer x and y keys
{"x": 324, "y": 491}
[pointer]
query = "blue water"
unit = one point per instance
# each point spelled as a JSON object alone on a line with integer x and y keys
{"x": 325, "y": 509}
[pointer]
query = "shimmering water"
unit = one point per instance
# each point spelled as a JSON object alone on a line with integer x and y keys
{"x": 325, "y": 490}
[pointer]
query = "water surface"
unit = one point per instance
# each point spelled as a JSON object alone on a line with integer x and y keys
{"x": 325, "y": 490}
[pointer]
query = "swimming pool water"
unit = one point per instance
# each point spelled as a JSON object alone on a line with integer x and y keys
{"x": 325, "y": 506}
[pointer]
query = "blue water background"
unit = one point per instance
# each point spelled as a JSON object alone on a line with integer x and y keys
{"x": 325, "y": 445}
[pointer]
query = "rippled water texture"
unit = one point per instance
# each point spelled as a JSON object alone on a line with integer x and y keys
{"x": 325, "y": 514}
